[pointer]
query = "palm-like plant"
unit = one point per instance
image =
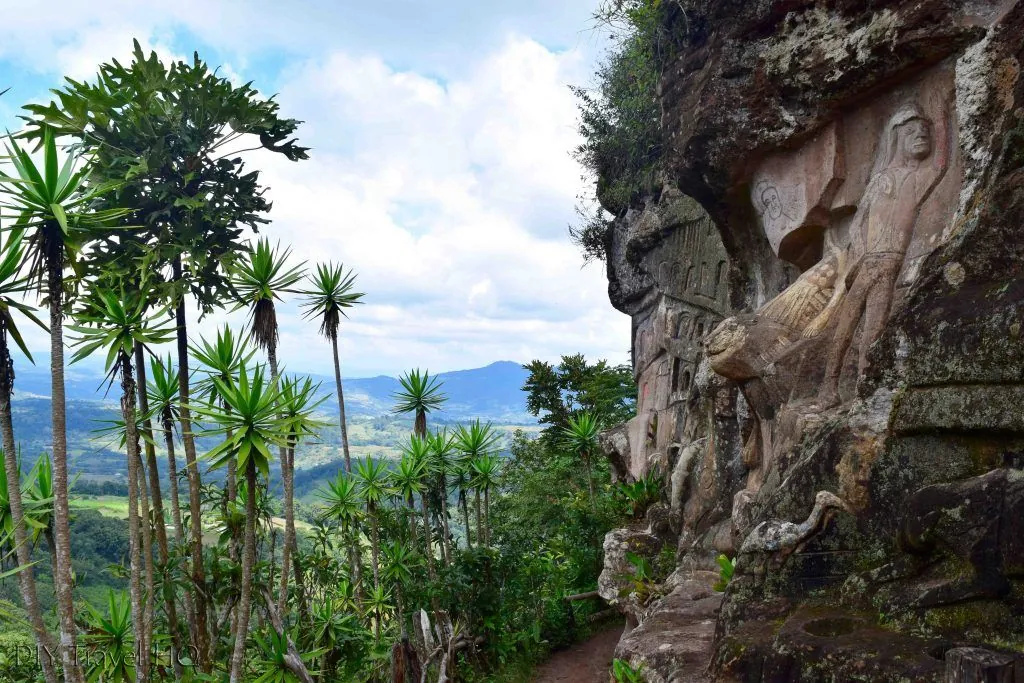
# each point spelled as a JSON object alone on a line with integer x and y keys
{"x": 408, "y": 479}
{"x": 52, "y": 203}
{"x": 298, "y": 403}
{"x": 259, "y": 281}
{"x": 579, "y": 436}
{"x": 111, "y": 638}
{"x": 12, "y": 287}
{"x": 374, "y": 490}
{"x": 442, "y": 462}
{"x": 162, "y": 391}
{"x": 377, "y": 603}
{"x": 420, "y": 394}
{"x": 486, "y": 473}
{"x": 251, "y": 426}
{"x": 400, "y": 562}
{"x": 221, "y": 359}
{"x": 472, "y": 442}
{"x": 331, "y": 294}
{"x": 344, "y": 505}
{"x": 116, "y": 323}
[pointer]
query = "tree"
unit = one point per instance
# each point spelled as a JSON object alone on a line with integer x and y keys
{"x": 580, "y": 438}
{"x": 54, "y": 206}
{"x": 251, "y": 426}
{"x": 298, "y": 403}
{"x": 420, "y": 394}
{"x": 472, "y": 442}
{"x": 374, "y": 490}
{"x": 554, "y": 393}
{"x": 486, "y": 471}
{"x": 259, "y": 280}
{"x": 116, "y": 323}
{"x": 442, "y": 447}
{"x": 12, "y": 287}
{"x": 344, "y": 505}
{"x": 164, "y": 135}
{"x": 331, "y": 294}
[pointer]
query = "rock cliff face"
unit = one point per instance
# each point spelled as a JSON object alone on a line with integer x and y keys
{"x": 827, "y": 302}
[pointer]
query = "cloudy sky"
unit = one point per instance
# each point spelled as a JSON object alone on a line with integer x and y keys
{"x": 440, "y": 171}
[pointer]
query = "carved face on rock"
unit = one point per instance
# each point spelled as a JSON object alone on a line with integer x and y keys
{"x": 915, "y": 139}
{"x": 772, "y": 203}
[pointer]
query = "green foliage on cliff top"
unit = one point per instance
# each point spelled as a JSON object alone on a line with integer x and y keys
{"x": 620, "y": 116}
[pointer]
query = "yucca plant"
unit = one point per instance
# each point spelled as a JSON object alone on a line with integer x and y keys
{"x": 251, "y": 426}
{"x": 374, "y": 489}
{"x": 162, "y": 390}
{"x": 580, "y": 438}
{"x": 485, "y": 475}
{"x": 345, "y": 506}
{"x": 419, "y": 395}
{"x": 297, "y": 406}
{"x": 442, "y": 463}
{"x": 111, "y": 639}
{"x": 332, "y": 292}
{"x": 472, "y": 442}
{"x": 13, "y": 287}
{"x": 115, "y": 321}
{"x": 53, "y": 204}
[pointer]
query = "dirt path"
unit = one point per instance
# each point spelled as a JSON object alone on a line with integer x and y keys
{"x": 586, "y": 662}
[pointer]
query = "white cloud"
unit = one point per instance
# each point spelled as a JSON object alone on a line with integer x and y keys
{"x": 450, "y": 198}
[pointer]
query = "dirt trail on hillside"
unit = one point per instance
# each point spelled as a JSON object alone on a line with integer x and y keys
{"x": 586, "y": 662}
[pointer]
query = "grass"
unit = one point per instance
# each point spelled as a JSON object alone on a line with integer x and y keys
{"x": 108, "y": 506}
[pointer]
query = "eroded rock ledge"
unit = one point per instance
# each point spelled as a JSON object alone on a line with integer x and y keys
{"x": 828, "y": 304}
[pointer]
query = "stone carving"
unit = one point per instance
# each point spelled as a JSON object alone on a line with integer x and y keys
{"x": 881, "y": 234}
{"x": 773, "y": 541}
{"x": 857, "y": 329}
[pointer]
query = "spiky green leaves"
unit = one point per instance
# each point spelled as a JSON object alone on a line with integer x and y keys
{"x": 13, "y": 285}
{"x": 332, "y": 291}
{"x": 374, "y": 487}
{"x": 117, "y": 321}
{"x": 420, "y": 393}
{"x": 580, "y": 434}
{"x": 249, "y": 420}
{"x": 259, "y": 279}
{"x": 221, "y": 359}
{"x": 54, "y": 202}
{"x": 342, "y": 499}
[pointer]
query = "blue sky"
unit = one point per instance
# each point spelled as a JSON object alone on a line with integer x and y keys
{"x": 441, "y": 168}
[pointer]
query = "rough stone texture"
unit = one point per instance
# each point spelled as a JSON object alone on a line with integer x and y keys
{"x": 828, "y": 306}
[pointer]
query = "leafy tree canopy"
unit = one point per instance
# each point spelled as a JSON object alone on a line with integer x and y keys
{"x": 170, "y": 138}
{"x": 555, "y": 393}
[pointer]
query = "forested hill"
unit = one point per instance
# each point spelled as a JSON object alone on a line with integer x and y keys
{"x": 491, "y": 393}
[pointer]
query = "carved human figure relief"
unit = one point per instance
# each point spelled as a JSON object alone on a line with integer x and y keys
{"x": 775, "y": 213}
{"x": 912, "y": 157}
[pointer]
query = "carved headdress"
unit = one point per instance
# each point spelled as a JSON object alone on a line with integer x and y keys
{"x": 908, "y": 112}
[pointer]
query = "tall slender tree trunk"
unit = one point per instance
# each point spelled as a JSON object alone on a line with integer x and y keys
{"x": 480, "y": 540}
{"x": 375, "y": 547}
{"x": 160, "y": 524}
{"x": 427, "y": 538}
{"x": 590, "y": 481}
{"x": 62, "y": 578}
{"x": 45, "y": 646}
{"x": 149, "y": 593}
{"x": 200, "y": 628}
{"x": 289, "y": 502}
{"x": 134, "y": 533}
{"x": 464, "y": 503}
{"x": 179, "y": 527}
{"x": 487, "y": 515}
{"x": 446, "y": 542}
{"x": 248, "y": 560}
{"x": 341, "y": 405}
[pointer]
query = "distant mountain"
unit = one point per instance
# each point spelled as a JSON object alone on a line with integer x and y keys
{"x": 492, "y": 393}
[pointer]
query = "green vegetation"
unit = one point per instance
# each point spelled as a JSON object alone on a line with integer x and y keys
{"x": 449, "y": 553}
{"x": 620, "y": 117}
{"x": 727, "y": 568}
